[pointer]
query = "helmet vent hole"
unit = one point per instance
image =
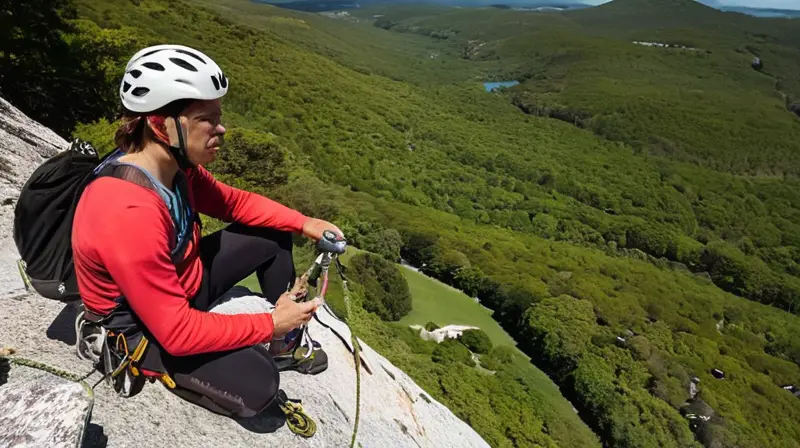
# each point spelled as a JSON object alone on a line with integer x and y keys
{"x": 223, "y": 81}
{"x": 140, "y": 91}
{"x": 135, "y": 73}
{"x": 183, "y": 64}
{"x": 150, "y": 52}
{"x": 147, "y": 54}
{"x": 183, "y": 81}
{"x": 154, "y": 66}
{"x": 189, "y": 53}
{"x": 214, "y": 80}
{"x": 125, "y": 86}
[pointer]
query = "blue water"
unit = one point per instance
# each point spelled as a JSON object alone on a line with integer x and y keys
{"x": 763, "y": 12}
{"x": 489, "y": 86}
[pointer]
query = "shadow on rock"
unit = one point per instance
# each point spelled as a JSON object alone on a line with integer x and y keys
{"x": 95, "y": 437}
{"x": 266, "y": 422}
{"x": 5, "y": 367}
{"x": 63, "y": 326}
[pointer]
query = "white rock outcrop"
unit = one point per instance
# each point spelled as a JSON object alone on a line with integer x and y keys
{"x": 395, "y": 411}
{"x": 440, "y": 334}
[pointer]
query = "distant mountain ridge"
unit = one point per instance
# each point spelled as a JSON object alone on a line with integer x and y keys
{"x": 332, "y": 5}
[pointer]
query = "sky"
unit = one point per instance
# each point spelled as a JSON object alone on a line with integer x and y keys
{"x": 778, "y": 4}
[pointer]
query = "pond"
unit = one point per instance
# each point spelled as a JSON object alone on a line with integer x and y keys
{"x": 491, "y": 86}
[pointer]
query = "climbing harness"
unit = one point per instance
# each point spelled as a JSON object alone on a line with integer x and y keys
{"x": 111, "y": 350}
{"x": 89, "y": 347}
{"x": 85, "y": 352}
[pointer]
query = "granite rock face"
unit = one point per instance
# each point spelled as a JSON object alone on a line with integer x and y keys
{"x": 40, "y": 409}
{"x": 24, "y": 144}
{"x": 395, "y": 411}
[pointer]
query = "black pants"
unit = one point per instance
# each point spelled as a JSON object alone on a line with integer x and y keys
{"x": 241, "y": 382}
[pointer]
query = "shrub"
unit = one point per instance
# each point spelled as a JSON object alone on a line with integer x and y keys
{"x": 498, "y": 358}
{"x": 452, "y": 351}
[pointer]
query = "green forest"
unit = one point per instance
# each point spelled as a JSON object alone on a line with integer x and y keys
{"x": 630, "y": 212}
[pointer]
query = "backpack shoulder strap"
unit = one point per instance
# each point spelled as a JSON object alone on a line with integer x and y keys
{"x": 138, "y": 176}
{"x": 128, "y": 173}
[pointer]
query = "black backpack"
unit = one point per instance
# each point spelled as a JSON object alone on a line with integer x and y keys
{"x": 43, "y": 220}
{"x": 44, "y": 214}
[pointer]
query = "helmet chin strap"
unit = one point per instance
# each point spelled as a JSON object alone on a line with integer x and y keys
{"x": 180, "y": 152}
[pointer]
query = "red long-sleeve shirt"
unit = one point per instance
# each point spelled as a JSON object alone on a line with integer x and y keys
{"x": 120, "y": 242}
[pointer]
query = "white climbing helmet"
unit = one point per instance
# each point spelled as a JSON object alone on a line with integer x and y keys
{"x": 158, "y": 75}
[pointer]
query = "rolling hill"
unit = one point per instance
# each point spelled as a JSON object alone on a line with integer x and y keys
{"x": 702, "y": 106}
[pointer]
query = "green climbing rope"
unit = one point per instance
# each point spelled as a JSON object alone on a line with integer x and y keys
{"x": 52, "y": 370}
{"x": 356, "y": 353}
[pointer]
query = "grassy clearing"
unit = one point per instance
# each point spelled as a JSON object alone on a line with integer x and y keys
{"x": 437, "y": 302}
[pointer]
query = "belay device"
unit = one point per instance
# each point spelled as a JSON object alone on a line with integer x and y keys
{"x": 330, "y": 247}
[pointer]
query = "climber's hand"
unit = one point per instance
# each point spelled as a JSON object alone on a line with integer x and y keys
{"x": 289, "y": 314}
{"x": 313, "y": 228}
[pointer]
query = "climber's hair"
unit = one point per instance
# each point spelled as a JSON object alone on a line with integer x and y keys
{"x": 130, "y": 136}
{"x": 133, "y": 133}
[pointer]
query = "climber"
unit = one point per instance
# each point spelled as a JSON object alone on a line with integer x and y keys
{"x": 144, "y": 272}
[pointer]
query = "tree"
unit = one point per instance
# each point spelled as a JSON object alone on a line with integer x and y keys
{"x": 447, "y": 263}
{"x": 49, "y": 65}
{"x": 477, "y": 341}
{"x": 518, "y": 300}
{"x": 468, "y": 280}
{"x": 386, "y": 243}
{"x": 385, "y": 289}
{"x": 254, "y": 157}
{"x": 499, "y": 357}
{"x": 418, "y": 247}
{"x": 371, "y": 236}
{"x": 560, "y": 330}
{"x": 312, "y": 197}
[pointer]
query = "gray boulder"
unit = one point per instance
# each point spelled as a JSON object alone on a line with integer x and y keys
{"x": 395, "y": 411}
{"x": 42, "y": 409}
